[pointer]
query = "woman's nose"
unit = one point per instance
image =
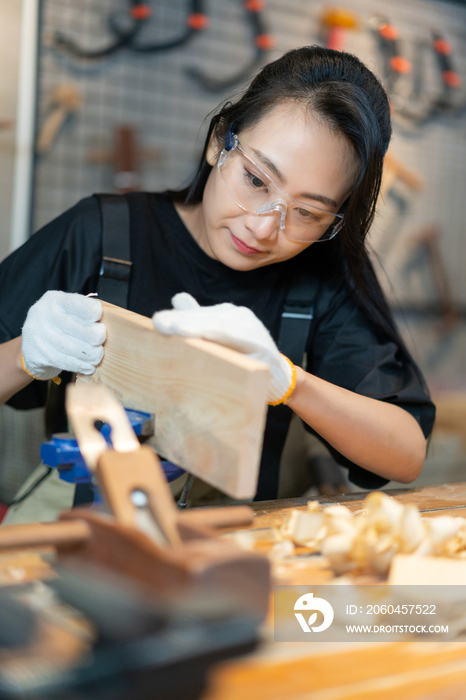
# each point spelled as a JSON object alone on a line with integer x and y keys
{"x": 263, "y": 226}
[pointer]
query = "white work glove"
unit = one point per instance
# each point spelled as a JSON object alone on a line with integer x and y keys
{"x": 235, "y": 327}
{"x": 61, "y": 332}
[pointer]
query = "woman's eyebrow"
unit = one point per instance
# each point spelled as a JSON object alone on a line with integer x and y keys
{"x": 265, "y": 161}
{"x": 305, "y": 195}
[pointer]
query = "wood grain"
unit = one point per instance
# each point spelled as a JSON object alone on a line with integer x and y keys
{"x": 406, "y": 671}
{"x": 409, "y": 570}
{"x": 43, "y": 534}
{"x": 220, "y": 517}
{"x": 427, "y": 498}
{"x": 210, "y": 402}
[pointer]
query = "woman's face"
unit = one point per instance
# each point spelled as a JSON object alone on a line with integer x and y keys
{"x": 304, "y": 157}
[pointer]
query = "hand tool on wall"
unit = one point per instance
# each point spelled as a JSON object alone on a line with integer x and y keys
{"x": 262, "y": 43}
{"x": 196, "y": 21}
{"x": 125, "y": 157}
{"x": 414, "y": 106}
{"x": 394, "y": 63}
{"x": 126, "y": 32}
{"x": 335, "y": 23}
{"x": 451, "y": 80}
{"x": 399, "y": 186}
{"x": 427, "y": 241}
{"x": 146, "y": 540}
{"x": 138, "y": 14}
{"x": 394, "y": 169}
{"x": 64, "y": 101}
{"x": 450, "y": 101}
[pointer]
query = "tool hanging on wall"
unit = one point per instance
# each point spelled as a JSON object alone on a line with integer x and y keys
{"x": 394, "y": 169}
{"x": 426, "y": 250}
{"x": 451, "y": 101}
{"x": 394, "y": 63}
{"x": 262, "y": 42}
{"x": 426, "y": 259}
{"x": 126, "y": 158}
{"x": 139, "y": 13}
{"x": 335, "y": 23}
{"x": 64, "y": 101}
{"x": 196, "y": 21}
{"x": 451, "y": 80}
{"x": 396, "y": 172}
{"x": 415, "y": 106}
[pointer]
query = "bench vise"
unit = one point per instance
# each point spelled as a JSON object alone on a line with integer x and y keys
{"x": 62, "y": 452}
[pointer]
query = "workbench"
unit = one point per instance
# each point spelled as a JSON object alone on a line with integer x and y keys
{"x": 332, "y": 671}
{"x": 321, "y": 671}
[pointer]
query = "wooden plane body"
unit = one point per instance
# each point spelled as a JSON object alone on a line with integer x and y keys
{"x": 202, "y": 564}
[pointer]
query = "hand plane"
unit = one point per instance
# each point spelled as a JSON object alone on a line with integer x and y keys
{"x": 143, "y": 536}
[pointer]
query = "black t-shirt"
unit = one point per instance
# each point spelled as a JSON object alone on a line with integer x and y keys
{"x": 344, "y": 347}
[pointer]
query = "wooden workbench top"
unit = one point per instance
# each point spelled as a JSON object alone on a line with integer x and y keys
{"x": 426, "y": 498}
{"x": 319, "y": 671}
{"x": 382, "y": 671}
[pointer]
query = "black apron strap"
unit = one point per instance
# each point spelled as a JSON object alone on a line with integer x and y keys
{"x": 296, "y": 320}
{"x": 295, "y": 327}
{"x": 115, "y": 273}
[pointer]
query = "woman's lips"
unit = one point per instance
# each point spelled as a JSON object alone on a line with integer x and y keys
{"x": 243, "y": 248}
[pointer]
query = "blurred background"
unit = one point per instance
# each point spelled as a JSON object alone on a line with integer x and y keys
{"x": 112, "y": 95}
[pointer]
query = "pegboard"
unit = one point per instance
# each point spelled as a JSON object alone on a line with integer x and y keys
{"x": 155, "y": 94}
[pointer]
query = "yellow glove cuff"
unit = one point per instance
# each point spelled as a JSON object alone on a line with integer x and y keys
{"x": 290, "y": 389}
{"x": 55, "y": 380}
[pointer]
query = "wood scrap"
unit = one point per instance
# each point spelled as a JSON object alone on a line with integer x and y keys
{"x": 432, "y": 571}
{"x": 210, "y": 402}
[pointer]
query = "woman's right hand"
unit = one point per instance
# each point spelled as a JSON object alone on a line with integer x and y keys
{"x": 62, "y": 332}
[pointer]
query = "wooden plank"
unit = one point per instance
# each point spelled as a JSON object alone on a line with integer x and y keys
{"x": 410, "y": 570}
{"x": 210, "y": 402}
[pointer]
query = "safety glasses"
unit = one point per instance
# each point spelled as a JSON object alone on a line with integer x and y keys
{"x": 256, "y": 193}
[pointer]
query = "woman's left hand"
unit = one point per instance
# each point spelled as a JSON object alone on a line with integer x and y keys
{"x": 235, "y": 327}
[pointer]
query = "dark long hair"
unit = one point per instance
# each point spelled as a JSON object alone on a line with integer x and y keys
{"x": 342, "y": 91}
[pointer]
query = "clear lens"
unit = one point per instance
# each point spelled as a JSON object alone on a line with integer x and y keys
{"x": 253, "y": 191}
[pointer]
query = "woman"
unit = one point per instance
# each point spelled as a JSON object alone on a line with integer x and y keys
{"x": 286, "y": 189}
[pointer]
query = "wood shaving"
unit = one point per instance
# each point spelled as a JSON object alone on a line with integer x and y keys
{"x": 368, "y": 541}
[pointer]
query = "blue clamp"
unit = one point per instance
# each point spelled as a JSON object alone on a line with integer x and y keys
{"x": 62, "y": 451}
